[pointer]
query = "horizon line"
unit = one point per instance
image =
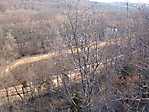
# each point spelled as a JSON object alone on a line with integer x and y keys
{"x": 116, "y": 1}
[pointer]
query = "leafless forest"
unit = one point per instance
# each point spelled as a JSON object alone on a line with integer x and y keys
{"x": 73, "y": 56}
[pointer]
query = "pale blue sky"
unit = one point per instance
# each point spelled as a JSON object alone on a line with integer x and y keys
{"x": 132, "y": 1}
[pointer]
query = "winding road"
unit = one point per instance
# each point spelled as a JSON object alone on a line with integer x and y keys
{"x": 74, "y": 75}
{"x": 32, "y": 59}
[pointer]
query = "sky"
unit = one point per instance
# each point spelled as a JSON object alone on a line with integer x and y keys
{"x": 132, "y": 1}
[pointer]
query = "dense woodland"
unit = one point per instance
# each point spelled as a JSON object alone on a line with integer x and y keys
{"x": 73, "y": 56}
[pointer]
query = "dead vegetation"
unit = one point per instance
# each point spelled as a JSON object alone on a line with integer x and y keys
{"x": 77, "y": 60}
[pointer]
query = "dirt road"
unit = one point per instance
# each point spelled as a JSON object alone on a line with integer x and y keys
{"x": 32, "y": 59}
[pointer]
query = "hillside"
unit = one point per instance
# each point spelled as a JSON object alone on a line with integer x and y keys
{"x": 73, "y": 56}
